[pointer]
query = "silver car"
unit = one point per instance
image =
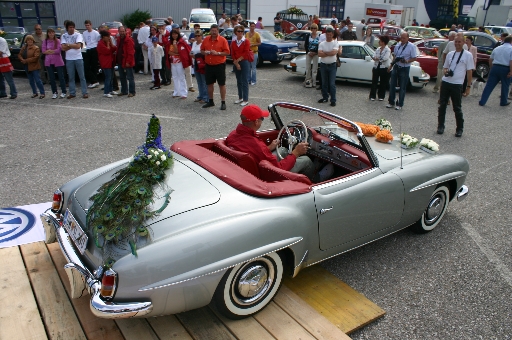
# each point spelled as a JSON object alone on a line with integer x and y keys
{"x": 233, "y": 227}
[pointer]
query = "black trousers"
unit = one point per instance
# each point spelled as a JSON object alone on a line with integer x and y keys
{"x": 91, "y": 65}
{"x": 382, "y": 74}
{"x": 453, "y": 91}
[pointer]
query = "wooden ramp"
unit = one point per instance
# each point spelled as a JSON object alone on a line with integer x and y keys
{"x": 36, "y": 305}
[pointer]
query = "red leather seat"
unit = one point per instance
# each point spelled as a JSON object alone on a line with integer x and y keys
{"x": 270, "y": 173}
{"x": 242, "y": 159}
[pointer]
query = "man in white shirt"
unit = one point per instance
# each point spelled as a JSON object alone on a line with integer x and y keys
{"x": 91, "y": 61}
{"x": 223, "y": 22}
{"x": 141, "y": 39}
{"x": 458, "y": 64}
{"x": 72, "y": 43}
{"x": 169, "y": 23}
{"x": 328, "y": 50}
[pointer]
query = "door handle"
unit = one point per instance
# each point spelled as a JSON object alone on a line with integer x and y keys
{"x": 323, "y": 211}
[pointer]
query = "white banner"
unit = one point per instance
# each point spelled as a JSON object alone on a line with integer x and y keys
{"x": 21, "y": 225}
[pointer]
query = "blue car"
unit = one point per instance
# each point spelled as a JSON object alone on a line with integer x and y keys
{"x": 271, "y": 49}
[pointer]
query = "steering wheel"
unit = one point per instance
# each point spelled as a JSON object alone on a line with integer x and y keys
{"x": 299, "y": 135}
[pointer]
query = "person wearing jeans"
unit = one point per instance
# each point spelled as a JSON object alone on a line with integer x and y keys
{"x": 255, "y": 40}
{"x": 6, "y": 71}
{"x": 30, "y": 55}
{"x": 106, "y": 50}
{"x": 54, "y": 63}
{"x": 126, "y": 62}
{"x": 311, "y": 46}
{"x": 240, "y": 49}
{"x": 328, "y": 51}
{"x": 71, "y": 43}
{"x": 501, "y": 70}
{"x": 199, "y": 67}
{"x": 405, "y": 52}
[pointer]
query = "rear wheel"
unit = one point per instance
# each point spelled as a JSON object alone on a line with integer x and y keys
{"x": 249, "y": 287}
{"x": 434, "y": 212}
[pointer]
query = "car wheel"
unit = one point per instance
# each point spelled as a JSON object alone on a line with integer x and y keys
{"x": 482, "y": 69}
{"x": 248, "y": 287}
{"x": 434, "y": 212}
{"x": 275, "y": 62}
{"x": 260, "y": 61}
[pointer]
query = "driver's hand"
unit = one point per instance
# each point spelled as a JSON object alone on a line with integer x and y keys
{"x": 301, "y": 149}
{"x": 272, "y": 146}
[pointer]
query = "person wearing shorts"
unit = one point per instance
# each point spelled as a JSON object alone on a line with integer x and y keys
{"x": 215, "y": 48}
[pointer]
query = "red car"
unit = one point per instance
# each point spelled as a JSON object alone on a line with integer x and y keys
{"x": 393, "y": 32}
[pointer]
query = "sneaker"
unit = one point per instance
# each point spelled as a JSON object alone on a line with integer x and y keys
{"x": 398, "y": 107}
{"x": 108, "y": 95}
{"x": 322, "y": 100}
{"x": 253, "y": 84}
{"x": 238, "y": 101}
{"x": 440, "y": 130}
{"x": 389, "y": 106}
{"x": 192, "y": 89}
{"x": 435, "y": 91}
{"x": 133, "y": 95}
{"x": 114, "y": 93}
{"x": 326, "y": 172}
{"x": 55, "y": 96}
{"x": 308, "y": 84}
{"x": 63, "y": 95}
{"x": 207, "y": 105}
{"x": 458, "y": 133}
{"x": 381, "y": 99}
{"x": 93, "y": 85}
{"x": 333, "y": 103}
{"x": 140, "y": 72}
{"x": 372, "y": 99}
{"x": 223, "y": 106}
{"x": 244, "y": 103}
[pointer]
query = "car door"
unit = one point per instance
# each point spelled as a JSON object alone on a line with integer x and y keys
{"x": 354, "y": 207}
{"x": 353, "y": 64}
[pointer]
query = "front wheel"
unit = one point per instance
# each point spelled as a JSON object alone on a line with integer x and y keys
{"x": 434, "y": 212}
{"x": 249, "y": 287}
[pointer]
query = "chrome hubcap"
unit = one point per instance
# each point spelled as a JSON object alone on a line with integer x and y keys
{"x": 253, "y": 281}
{"x": 434, "y": 209}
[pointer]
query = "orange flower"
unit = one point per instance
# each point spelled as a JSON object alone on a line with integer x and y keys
{"x": 384, "y": 136}
{"x": 368, "y": 130}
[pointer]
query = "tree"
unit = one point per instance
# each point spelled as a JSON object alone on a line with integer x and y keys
{"x": 132, "y": 20}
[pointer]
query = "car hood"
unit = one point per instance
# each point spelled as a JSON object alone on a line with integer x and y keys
{"x": 281, "y": 44}
{"x": 188, "y": 191}
{"x": 389, "y": 154}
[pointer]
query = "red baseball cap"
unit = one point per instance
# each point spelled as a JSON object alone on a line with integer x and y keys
{"x": 253, "y": 112}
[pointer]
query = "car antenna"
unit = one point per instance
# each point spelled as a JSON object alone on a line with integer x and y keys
{"x": 401, "y": 137}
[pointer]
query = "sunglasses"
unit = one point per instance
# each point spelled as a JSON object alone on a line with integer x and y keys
{"x": 239, "y": 31}
{"x": 262, "y": 118}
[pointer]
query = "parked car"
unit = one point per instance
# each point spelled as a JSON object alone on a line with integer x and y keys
{"x": 13, "y": 34}
{"x": 443, "y": 21}
{"x": 202, "y": 16}
{"x": 477, "y": 29}
{"x": 497, "y": 31}
{"x": 113, "y": 27}
{"x": 356, "y": 65}
{"x": 299, "y": 37}
{"x": 422, "y": 32}
{"x": 324, "y": 22}
{"x": 271, "y": 49}
{"x": 232, "y": 228}
{"x": 393, "y": 32}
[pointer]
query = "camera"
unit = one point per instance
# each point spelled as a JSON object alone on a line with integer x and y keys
{"x": 449, "y": 73}
{"x": 397, "y": 60}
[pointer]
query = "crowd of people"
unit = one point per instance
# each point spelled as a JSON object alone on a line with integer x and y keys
{"x": 162, "y": 51}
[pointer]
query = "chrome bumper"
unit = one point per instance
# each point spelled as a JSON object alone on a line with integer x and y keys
{"x": 81, "y": 278}
{"x": 462, "y": 193}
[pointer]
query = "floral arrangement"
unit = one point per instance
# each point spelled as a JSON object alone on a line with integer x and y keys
{"x": 384, "y": 136}
{"x": 384, "y": 124}
{"x": 408, "y": 141}
{"x": 279, "y": 35}
{"x": 2, "y": 33}
{"x": 433, "y": 52}
{"x": 121, "y": 206}
{"x": 295, "y": 10}
{"x": 428, "y": 144}
{"x": 368, "y": 130}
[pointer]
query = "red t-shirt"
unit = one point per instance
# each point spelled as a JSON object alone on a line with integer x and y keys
{"x": 245, "y": 139}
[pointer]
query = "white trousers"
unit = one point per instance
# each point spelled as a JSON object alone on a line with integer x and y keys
{"x": 178, "y": 77}
{"x": 146, "y": 61}
{"x": 188, "y": 72}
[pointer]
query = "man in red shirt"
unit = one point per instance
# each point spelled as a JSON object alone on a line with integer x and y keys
{"x": 245, "y": 139}
{"x": 215, "y": 48}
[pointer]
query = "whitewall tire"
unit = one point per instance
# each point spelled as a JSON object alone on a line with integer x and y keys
{"x": 434, "y": 211}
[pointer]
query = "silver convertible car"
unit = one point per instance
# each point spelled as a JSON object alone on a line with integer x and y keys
{"x": 227, "y": 229}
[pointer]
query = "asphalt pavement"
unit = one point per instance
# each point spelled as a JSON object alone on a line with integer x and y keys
{"x": 452, "y": 283}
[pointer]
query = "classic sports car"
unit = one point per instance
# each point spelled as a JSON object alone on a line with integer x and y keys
{"x": 422, "y": 32}
{"x": 223, "y": 228}
{"x": 271, "y": 49}
{"x": 356, "y": 65}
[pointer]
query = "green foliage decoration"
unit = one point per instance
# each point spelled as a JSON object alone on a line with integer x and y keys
{"x": 132, "y": 20}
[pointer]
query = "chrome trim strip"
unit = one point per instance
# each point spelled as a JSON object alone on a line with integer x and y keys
{"x": 436, "y": 183}
{"x": 301, "y": 264}
{"x": 345, "y": 179}
{"x": 99, "y": 308}
{"x": 462, "y": 193}
{"x": 222, "y": 269}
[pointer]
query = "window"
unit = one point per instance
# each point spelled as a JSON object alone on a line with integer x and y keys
{"x": 330, "y": 7}
{"x": 353, "y": 52}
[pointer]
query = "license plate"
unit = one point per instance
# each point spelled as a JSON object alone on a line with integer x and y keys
{"x": 76, "y": 232}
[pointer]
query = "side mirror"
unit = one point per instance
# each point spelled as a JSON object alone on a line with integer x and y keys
{"x": 368, "y": 58}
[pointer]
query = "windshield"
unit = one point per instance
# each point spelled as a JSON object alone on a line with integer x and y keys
{"x": 267, "y": 36}
{"x": 321, "y": 121}
{"x": 203, "y": 18}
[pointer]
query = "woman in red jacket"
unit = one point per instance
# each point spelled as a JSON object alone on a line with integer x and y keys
{"x": 240, "y": 50}
{"x": 180, "y": 59}
{"x": 106, "y": 50}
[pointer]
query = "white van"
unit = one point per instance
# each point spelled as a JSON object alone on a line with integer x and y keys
{"x": 202, "y": 16}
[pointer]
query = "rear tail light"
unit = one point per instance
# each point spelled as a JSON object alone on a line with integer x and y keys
{"x": 108, "y": 284}
{"x": 57, "y": 201}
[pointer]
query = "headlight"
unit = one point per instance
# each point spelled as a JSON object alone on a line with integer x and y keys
{"x": 279, "y": 50}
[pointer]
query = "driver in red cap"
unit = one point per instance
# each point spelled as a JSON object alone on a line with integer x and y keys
{"x": 244, "y": 139}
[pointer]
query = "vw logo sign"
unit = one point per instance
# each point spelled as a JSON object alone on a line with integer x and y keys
{"x": 14, "y": 222}
{"x": 299, "y": 25}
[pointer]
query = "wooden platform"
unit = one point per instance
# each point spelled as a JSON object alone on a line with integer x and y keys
{"x": 35, "y": 305}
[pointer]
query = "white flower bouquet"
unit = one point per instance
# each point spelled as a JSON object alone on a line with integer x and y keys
{"x": 408, "y": 142}
{"x": 384, "y": 124}
{"x": 429, "y": 145}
